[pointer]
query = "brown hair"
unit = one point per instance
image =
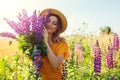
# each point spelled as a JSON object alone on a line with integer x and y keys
{"x": 56, "y": 35}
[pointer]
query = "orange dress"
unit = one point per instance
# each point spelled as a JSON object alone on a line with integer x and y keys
{"x": 47, "y": 71}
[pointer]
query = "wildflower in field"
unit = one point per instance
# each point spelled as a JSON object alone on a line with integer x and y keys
{"x": 119, "y": 41}
{"x": 91, "y": 45}
{"x": 112, "y": 77}
{"x": 78, "y": 50}
{"x": 8, "y": 34}
{"x": 109, "y": 57}
{"x": 64, "y": 70}
{"x": 116, "y": 41}
{"x": 111, "y": 49}
{"x": 97, "y": 58}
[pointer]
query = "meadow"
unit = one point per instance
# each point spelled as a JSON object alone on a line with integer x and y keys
{"x": 6, "y": 48}
{"x": 81, "y": 64}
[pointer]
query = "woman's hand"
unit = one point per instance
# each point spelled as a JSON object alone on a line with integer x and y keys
{"x": 45, "y": 34}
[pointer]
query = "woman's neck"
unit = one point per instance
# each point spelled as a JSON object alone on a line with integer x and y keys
{"x": 50, "y": 38}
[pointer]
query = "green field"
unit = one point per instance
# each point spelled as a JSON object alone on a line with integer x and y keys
{"x": 18, "y": 67}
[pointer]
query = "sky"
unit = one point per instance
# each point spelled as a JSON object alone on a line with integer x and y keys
{"x": 83, "y": 16}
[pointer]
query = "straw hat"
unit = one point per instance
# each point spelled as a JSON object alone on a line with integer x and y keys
{"x": 58, "y": 13}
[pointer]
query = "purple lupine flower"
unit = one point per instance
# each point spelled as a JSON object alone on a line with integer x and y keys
{"x": 64, "y": 70}
{"x": 21, "y": 29}
{"x": 97, "y": 58}
{"x": 109, "y": 57}
{"x": 45, "y": 18}
{"x": 38, "y": 64}
{"x": 37, "y": 26}
{"x": 25, "y": 21}
{"x": 8, "y": 34}
{"x": 41, "y": 21}
{"x": 116, "y": 41}
{"x": 37, "y": 54}
{"x": 112, "y": 77}
{"x": 119, "y": 42}
{"x": 37, "y": 59}
{"x": 64, "y": 73}
{"x": 34, "y": 21}
{"x": 40, "y": 28}
{"x": 15, "y": 26}
{"x": 109, "y": 60}
{"x": 23, "y": 26}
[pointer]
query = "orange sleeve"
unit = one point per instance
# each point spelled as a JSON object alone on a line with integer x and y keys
{"x": 63, "y": 49}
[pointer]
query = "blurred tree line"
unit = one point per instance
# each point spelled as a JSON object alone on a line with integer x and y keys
{"x": 106, "y": 30}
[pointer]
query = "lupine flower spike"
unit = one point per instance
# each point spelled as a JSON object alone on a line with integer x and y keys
{"x": 79, "y": 51}
{"x": 109, "y": 57}
{"x": 8, "y": 34}
{"x": 116, "y": 41}
{"x": 97, "y": 58}
{"x": 37, "y": 60}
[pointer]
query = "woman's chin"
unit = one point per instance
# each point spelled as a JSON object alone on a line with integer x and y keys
{"x": 50, "y": 31}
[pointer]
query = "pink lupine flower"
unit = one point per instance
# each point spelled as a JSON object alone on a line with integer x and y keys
{"x": 15, "y": 26}
{"x": 8, "y": 34}
{"x": 109, "y": 60}
{"x": 119, "y": 42}
{"x": 25, "y": 21}
{"x": 116, "y": 41}
{"x": 109, "y": 56}
{"x": 79, "y": 50}
{"x": 92, "y": 45}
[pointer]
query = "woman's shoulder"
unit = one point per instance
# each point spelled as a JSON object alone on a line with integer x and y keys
{"x": 63, "y": 43}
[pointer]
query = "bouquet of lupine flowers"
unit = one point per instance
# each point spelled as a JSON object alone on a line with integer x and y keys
{"x": 29, "y": 34}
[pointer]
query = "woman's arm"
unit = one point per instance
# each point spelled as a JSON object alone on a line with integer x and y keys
{"x": 54, "y": 60}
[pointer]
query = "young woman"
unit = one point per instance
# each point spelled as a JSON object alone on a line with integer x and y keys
{"x": 56, "y": 46}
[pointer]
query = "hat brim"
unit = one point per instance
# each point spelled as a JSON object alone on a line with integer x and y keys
{"x": 58, "y": 13}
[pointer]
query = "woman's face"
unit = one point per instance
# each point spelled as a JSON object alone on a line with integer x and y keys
{"x": 52, "y": 24}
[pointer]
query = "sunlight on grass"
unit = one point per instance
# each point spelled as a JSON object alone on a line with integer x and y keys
{"x": 8, "y": 46}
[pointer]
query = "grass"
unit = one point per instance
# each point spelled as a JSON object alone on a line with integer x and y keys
{"x": 8, "y": 46}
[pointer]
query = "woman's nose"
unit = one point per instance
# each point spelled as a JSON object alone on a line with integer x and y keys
{"x": 49, "y": 24}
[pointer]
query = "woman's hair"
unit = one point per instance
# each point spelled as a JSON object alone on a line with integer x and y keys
{"x": 56, "y": 35}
